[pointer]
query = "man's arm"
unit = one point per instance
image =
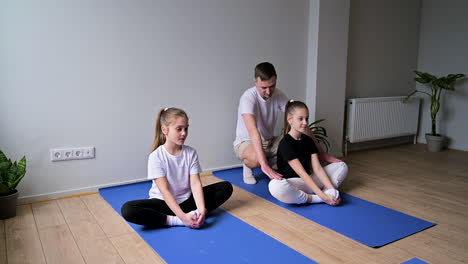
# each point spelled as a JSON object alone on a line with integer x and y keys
{"x": 251, "y": 125}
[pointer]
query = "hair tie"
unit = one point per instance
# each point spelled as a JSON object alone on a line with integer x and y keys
{"x": 291, "y": 101}
{"x": 165, "y": 109}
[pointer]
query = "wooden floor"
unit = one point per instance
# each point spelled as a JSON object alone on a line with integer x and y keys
{"x": 431, "y": 186}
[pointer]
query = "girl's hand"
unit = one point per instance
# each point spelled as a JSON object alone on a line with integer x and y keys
{"x": 201, "y": 218}
{"x": 189, "y": 220}
{"x": 335, "y": 194}
{"x": 332, "y": 201}
{"x": 329, "y": 199}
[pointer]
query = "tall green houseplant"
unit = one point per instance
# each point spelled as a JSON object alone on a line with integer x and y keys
{"x": 437, "y": 85}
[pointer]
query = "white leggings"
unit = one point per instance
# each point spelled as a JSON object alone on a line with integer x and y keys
{"x": 295, "y": 191}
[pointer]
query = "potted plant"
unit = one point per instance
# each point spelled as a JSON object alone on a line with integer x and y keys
{"x": 434, "y": 140}
{"x": 320, "y": 133}
{"x": 11, "y": 174}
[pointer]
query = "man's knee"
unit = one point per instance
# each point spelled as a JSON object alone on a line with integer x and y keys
{"x": 249, "y": 158}
{"x": 251, "y": 163}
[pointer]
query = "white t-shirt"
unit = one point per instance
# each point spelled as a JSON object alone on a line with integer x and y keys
{"x": 177, "y": 170}
{"x": 265, "y": 112}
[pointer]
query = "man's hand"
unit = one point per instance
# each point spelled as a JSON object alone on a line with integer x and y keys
{"x": 331, "y": 159}
{"x": 271, "y": 173}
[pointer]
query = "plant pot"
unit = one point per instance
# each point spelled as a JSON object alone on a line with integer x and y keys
{"x": 434, "y": 143}
{"x": 8, "y": 205}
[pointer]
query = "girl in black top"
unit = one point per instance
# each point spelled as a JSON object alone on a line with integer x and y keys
{"x": 305, "y": 180}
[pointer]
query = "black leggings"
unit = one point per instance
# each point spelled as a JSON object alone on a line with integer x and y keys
{"x": 154, "y": 212}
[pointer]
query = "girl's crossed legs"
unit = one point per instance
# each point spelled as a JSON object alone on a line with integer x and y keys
{"x": 295, "y": 191}
{"x": 154, "y": 212}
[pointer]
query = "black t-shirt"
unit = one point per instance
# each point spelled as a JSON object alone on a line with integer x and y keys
{"x": 290, "y": 149}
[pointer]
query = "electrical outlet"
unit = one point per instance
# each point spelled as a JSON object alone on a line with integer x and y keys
{"x": 77, "y": 154}
{"x": 68, "y": 154}
{"x": 72, "y": 153}
{"x": 56, "y": 154}
{"x": 88, "y": 153}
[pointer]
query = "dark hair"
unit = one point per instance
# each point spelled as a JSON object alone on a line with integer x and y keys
{"x": 164, "y": 118}
{"x": 265, "y": 71}
{"x": 291, "y": 106}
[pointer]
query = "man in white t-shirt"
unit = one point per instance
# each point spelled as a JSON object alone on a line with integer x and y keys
{"x": 258, "y": 111}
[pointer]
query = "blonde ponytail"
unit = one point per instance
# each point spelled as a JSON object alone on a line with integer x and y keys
{"x": 164, "y": 118}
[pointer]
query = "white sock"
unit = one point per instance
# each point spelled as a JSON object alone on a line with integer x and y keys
{"x": 333, "y": 193}
{"x": 196, "y": 213}
{"x": 248, "y": 175}
{"x": 173, "y": 220}
{"x": 316, "y": 199}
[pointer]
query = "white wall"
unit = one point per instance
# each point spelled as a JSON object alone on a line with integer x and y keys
{"x": 331, "y": 70}
{"x": 383, "y": 47}
{"x": 95, "y": 73}
{"x": 442, "y": 50}
{"x": 327, "y": 60}
{"x": 312, "y": 53}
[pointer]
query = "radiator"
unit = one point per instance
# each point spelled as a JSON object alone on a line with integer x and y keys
{"x": 381, "y": 117}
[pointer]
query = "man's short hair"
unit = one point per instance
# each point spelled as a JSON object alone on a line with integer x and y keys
{"x": 265, "y": 71}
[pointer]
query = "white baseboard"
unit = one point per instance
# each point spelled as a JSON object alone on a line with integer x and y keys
{"x": 55, "y": 195}
{"x": 89, "y": 189}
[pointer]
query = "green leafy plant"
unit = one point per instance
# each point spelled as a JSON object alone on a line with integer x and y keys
{"x": 437, "y": 85}
{"x": 11, "y": 174}
{"x": 320, "y": 134}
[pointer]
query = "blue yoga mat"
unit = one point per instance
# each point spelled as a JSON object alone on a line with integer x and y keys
{"x": 368, "y": 223}
{"x": 414, "y": 261}
{"x": 223, "y": 239}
